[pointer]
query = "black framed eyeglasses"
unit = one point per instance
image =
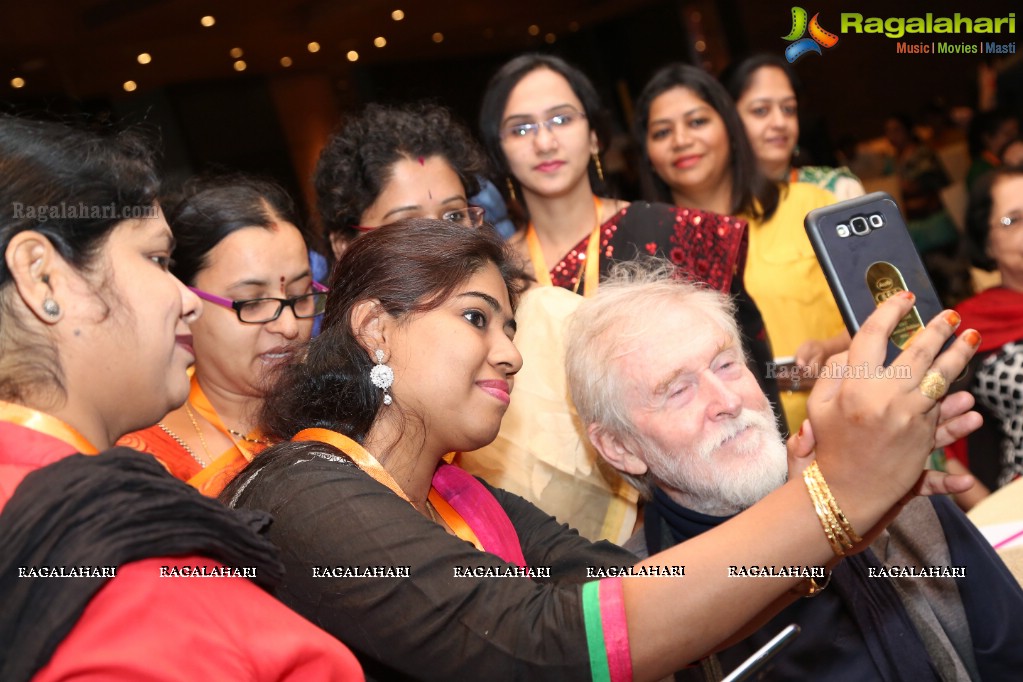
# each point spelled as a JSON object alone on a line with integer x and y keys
{"x": 263, "y": 310}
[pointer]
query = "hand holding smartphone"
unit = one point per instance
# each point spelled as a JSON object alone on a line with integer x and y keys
{"x": 867, "y": 256}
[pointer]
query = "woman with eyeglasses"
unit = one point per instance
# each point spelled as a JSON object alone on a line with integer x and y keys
{"x": 388, "y": 163}
{"x": 994, "y": 227}
{"x": 541, "y": 122}
{"x": 239, "y": 250}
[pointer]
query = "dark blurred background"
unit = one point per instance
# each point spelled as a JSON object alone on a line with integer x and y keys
{"x": 262, "y": 85}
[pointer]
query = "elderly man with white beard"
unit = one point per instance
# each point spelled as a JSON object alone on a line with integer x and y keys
{"x": 659, "y": 379}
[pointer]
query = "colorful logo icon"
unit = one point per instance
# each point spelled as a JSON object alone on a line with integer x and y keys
{"x": 818, "y": 36}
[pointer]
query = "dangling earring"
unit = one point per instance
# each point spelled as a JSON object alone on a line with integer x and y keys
{"x": 600, "y": 170}
{"x": 50, "y": 307}
{"x": 511, "y": 189}
{"x": 382, "y": 375}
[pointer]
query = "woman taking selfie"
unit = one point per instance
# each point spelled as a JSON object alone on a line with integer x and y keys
{"x": 91, "y": 336}
{"x": 239, "y": 250}
{"x": 416, "y": 360}
{"x": 698, "y": 155}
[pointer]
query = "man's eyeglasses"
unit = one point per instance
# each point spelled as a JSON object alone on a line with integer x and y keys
{"x": 470, "y": 216}
{"x": 522, "y": 130}
{"x": 263, "y": 310}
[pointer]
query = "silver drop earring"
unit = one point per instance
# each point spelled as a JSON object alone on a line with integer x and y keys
{"x": 382, "y": 375}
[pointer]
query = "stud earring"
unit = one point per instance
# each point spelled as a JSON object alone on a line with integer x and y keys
{"x": 50, "y": 307}
{"x": 600, "y": 170}
{"x": 382, "y": 375}
{"x": 511, "y": 189}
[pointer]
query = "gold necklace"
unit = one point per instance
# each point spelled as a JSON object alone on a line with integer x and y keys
{"x": 242, "y": 436}
{"x": 182, "y": 443}
{"x": 202, "y": 438}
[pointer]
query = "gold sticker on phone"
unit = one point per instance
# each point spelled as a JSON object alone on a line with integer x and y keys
{"x": 884, "y": 281}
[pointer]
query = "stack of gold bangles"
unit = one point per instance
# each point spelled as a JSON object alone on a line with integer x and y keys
{"x": 838, "y": 529}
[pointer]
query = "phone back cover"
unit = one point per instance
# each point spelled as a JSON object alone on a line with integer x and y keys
{"x": 846, "y": 260}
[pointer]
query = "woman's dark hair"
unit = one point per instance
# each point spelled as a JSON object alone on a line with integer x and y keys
{"x": 211, "y": 208}
{"x": 752, "y": 192}
{"x": 984, "y": 125}
{"x": 495, "y": 98}
{"x": 74, "y": 187}
{"x": 359, "y": 158}
{"x": 411, "y": 266}
{"x": 978, "y": 215}
{"x": 738, "y": 76}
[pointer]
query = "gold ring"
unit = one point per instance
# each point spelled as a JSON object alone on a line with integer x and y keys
{"x": 934, "y": 385}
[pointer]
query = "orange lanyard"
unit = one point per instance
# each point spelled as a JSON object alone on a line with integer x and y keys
{"x": 197, "y": 399}
{"x": 368, "y": 463}
{"x": 45, "y": 423}
{"x": 592, "y": 264}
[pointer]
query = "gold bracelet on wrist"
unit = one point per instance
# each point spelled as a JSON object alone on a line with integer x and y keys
{"x": 837, "y": 528}
{"x": 823, "y": 514}
{"x": 822, "y": 485}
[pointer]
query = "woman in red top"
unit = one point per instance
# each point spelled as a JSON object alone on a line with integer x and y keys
{"x": 90, "y": 329}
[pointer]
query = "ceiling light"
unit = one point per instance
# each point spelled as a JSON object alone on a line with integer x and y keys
{"x": 286, "y": 62}
{"x": 130, "y": 86}
{"x": 380, "y": 41}
{"x": 353, "y": 56}
{"x": 313, "y": 46}
{"x": 144, "y": 58}
{"x": 534, "y": 30}
{"x": 17, "y": 82}
{"x": 438, "y": 37}
{"x": 397, "y": 15}
{"x": 207, "y": 21}
{"x": 240, "y": 65}
{"x": 236, "y": 53}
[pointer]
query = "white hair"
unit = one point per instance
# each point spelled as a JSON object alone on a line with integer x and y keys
{"x": 626, "y": 308}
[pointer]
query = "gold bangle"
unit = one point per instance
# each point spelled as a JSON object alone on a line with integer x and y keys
{"x": 846, "y": 527}
{"x": 828, "y": 522}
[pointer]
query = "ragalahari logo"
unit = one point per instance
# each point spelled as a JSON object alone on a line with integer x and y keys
{"x": 818, "y": 36}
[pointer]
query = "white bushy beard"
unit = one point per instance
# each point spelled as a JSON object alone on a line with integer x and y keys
{"x": 720, "y": 479}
